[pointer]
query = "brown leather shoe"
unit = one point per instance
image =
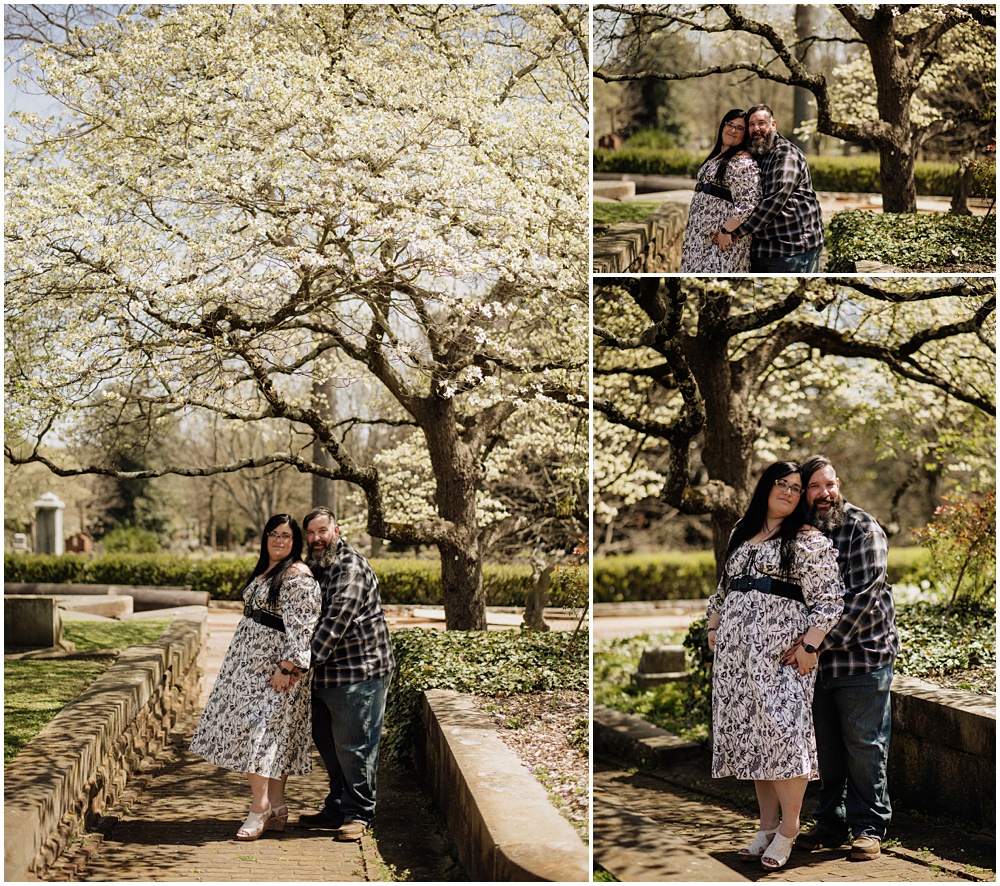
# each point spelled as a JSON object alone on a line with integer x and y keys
{"x": 350, "y": 830}
{"x": 866, "y": 848}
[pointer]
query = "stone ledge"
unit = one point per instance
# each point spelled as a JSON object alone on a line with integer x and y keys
{"x": 144, "y": 597}
{"x": 650, "y": 246}
{"x": 499, "y": 816}
{"x": 66, "y": 776}
{"x": 626, "y": 737}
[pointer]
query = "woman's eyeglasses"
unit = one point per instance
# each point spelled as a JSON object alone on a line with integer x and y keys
{"x": 785, "y": 486}
{"x": 279, "y": 536}
{"x": 733, "y": 127}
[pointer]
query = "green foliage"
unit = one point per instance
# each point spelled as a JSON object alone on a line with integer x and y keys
{"x": 698, "y": 688}
{"x": 852, "y": 175}
{"x": 913, "y": 242}
{"x": 651, "y": 139}
{"x": 402, "y": 581}
{"x": 939, "y": 639}
{"x": 481, "y": 662}
{"x": 670, "y": 576}
{"x": 36, "y": 690}
{"x": 130, "y": 540}
{"x": 665, "y": 706}
{"x": 629, "y": 211}
{"x": 984, "y": 172}
{"x": 961, "y": 542}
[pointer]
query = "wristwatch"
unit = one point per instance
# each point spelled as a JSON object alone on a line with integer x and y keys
{"x": 809, "y": 648}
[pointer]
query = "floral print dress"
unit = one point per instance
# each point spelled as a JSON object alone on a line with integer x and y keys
{"x": 247, "y": 726}
{"x": 761, "y": 709}
{"x": 699, "y": 254}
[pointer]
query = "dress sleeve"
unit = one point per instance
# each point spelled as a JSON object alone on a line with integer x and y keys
{"x": 301, "y": 602}
{"x": 743, "y": 179}
{"x": 819, "y": 575}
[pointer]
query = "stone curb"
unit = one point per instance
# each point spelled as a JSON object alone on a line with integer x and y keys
{"x": 626, "y": 737}
{"x": 499, "y": 816}
{"x": 651, "y": 246}
{"x": 79, "y": 763}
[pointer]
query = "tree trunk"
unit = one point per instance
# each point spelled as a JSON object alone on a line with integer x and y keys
{"x": 805, "y": 27}
{"x": 458, "y": 474}
{"x": 899, "y": 190}
{"x": 323, "y": 489}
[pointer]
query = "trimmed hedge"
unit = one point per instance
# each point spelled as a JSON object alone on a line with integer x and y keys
{"x": 912, "y": 242}
{"x": 853, "y": 175}
{"x": 408, "y": 581}
{"x": 675, "y": 576}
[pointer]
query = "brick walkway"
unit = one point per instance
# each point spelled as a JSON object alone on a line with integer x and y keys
{"x": 179, "y": 821}
{"x": 717, "y": 825}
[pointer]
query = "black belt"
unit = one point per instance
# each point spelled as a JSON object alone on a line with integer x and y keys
{"x": 715, "y": 190}
{"x": 768, "y": 585}
{"x": 262, "y": 617}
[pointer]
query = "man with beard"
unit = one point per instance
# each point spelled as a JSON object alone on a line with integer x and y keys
{"x": 851, "y": 708}
{"x": 787, "y": 223}
{"x": 353, "y": 661}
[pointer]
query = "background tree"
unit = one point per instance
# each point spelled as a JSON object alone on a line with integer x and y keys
{"x": 240, "y": 202}
{"x": 697, "y": 381}
{"x": 902, "y": 44}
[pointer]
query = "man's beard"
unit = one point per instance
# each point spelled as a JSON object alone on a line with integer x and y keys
{"x": 323, "y": 559}
{"x": 758, "y": 148}
{"x": 827, "y": 521}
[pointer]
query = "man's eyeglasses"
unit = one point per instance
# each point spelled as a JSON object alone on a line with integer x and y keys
{"x": 734, "y": 128}
{"x": 785, "y": 486}
{"x": 279, "y": 536}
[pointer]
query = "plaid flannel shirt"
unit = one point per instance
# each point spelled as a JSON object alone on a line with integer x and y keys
{"x": 351, "y": 642}
{"x": 865, "y": 638}
{"x": 788, "y": 219}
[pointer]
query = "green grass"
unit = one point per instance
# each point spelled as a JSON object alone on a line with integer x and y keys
{"x": 35, "y": 690}
{"x": 612, "y": 213}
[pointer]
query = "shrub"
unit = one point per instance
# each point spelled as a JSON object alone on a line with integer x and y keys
{"x": 913, "y": 242}
{"x": 852, "y": 175}
{"x": 478, "y": 662}
{"x": 130, "y": 540}
{"x": 62, "y": 569}
{"x": 938, "y": 639}
{"x": 961, "y": 544}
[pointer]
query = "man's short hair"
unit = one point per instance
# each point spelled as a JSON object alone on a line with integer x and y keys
{"x": 319, "y": 512}
{"x": 757, "y": 108}
{"x": 811, "y": 465}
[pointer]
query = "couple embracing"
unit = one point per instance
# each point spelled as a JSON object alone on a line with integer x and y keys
{"x": 803, "y": 631}
{"x": 754, "y": 207}
{"x": 310, "y": 657}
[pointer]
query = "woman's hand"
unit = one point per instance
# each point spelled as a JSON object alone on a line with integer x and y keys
{"x": 724, "y": 241}
{"x": 712, "y": 633}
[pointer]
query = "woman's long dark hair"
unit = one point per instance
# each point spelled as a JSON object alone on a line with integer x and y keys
{"x": 753, "y": 520}
{"x": 729, "y": 153}
{"x": 275, "y": 578}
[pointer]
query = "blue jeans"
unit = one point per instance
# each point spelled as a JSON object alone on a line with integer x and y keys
{"x": 803, "y": 263}
{"x": 853, "y": 718}
{"x": 347, "y": 729}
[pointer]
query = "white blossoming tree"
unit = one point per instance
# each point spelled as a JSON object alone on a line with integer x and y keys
{"x": 695, "y": 380}
{"x": 241, "y": 202}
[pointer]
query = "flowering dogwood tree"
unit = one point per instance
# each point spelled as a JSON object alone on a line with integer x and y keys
{"x": 241, "y": 202}
{"x": 693, "y": 377}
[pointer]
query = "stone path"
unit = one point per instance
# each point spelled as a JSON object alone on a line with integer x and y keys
{"x": 634, "y": 811}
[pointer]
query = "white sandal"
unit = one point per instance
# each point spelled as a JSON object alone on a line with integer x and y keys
{"x": 755, "y": 850}
{"x": 777, "y": 853}
{"x": 255, "y": 825}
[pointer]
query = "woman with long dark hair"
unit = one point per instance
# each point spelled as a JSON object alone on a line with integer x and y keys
{"x": 728, "y": 188}
{"x": 257, "y": 718}
{"x": 781, "y": 580}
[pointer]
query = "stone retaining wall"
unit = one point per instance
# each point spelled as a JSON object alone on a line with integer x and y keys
{"x": 943, "y": 750}
{"x": 652, "y": 246}
{"x": 499, "y": 816}
{"x": 77, "y": 765}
